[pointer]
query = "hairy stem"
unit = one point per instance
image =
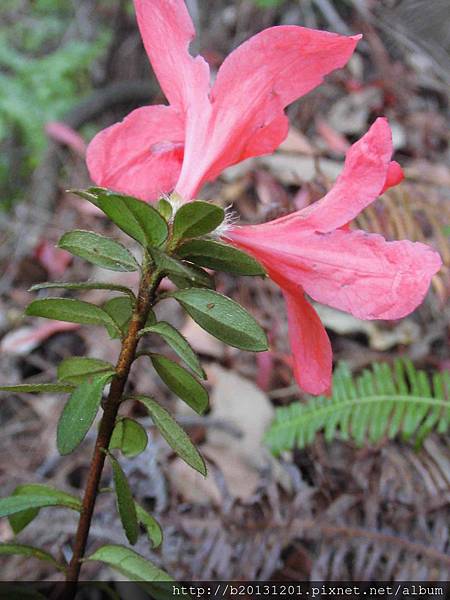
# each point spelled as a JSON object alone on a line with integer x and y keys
{"x": 147, "y": 289}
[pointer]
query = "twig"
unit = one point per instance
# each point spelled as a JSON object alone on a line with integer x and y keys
{"x": 147, "y": 289}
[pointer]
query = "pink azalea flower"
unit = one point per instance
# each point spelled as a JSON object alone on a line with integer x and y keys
{"x": 313, "y": 251}
{"x": 206, "y": 128}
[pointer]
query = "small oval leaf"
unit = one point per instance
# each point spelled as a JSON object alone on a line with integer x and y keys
{"x": 181, "y": 382}
{"x": 129, "y": 436}
{"x": 98, "y": 250}
{"x": 223, "y": 318}
{"x": 68, "y": 309}
{"x": 153, "y": 528}
{"x": 196, "y": 218}
{"x": 138, "y": 219}
{"x": 129, "y": 563}
{"x": 220, "y": 257}
{"x": 125, "y": 502}
{"x": 77, "y": 369}
{"x": 174, "y": 435}
{"x": 79, "y": 413}
{"x": 178, "y": 343}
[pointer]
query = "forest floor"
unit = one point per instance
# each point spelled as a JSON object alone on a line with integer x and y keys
{"x": 333, "y": 510}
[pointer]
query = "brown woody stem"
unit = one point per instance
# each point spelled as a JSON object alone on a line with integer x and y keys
{"x": 147, "y": 289}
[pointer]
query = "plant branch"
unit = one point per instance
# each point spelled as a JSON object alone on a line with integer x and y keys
{"x": 147, "y": 289}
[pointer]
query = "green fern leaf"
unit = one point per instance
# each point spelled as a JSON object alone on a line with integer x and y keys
{"x": 383, "y": 402}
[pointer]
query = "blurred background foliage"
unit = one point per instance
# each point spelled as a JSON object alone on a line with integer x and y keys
{"x": 46, "y": 65}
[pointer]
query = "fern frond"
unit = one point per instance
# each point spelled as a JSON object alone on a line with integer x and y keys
{"x": 382, "y": 402}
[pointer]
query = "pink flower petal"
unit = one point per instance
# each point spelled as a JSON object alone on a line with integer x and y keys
{"x": 167, "y": 30}
{"x": 356, "y": 272}
{"x": 353, "y": 271}
{"x": 253, "y": 86}
{"x": 366, "y": 171}
{"x": 141, "y": 155}
{"x": 310, "y": 345}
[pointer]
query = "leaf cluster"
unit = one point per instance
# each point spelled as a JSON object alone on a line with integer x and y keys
{"x": 178, "y": 246}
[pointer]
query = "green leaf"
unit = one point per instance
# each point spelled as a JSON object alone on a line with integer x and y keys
{"x": 129, "y": 563}
{"x": 165, "y": 209}
{"x": 151, "y": 319}
{"x": 120, "y": 310}
{"x": 181, "y": 382}
{"x": 38, "y": 388}
{"x": 77, "y": 369}
{"x": 175, "y": 268}
{"x": 178, "y": 343}
{"x": 129, "y": 436}
{"x": 223, "y": 318}
{"x": 151, "y": 525}
{"x": 79, "y": 413}
{"x": 98, "y": 250}
{"x": 20, "y": 520}
{"x": 197, "y": 277}
{"x": 83, "y": 285}
{"x": 196, "y": 218}
{"x": 67, "y": 309}
{"x": 32, "y": 496}
{"x": 174, "y": 435}
{"x": 136, "y": 218}
{"x": 30, "y": 551}
{"x": 125, "y": 502}
{"x": 220, "y": 257}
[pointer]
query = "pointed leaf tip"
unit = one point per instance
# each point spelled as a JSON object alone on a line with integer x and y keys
{"x": 178, "y": 343}
{"x": 125, "y": 502}
{"x": 181, "y": 383}
{"x": 174, "y": 435}
{"x": 129, "y": 563}
{"x": 153, "y": 528}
